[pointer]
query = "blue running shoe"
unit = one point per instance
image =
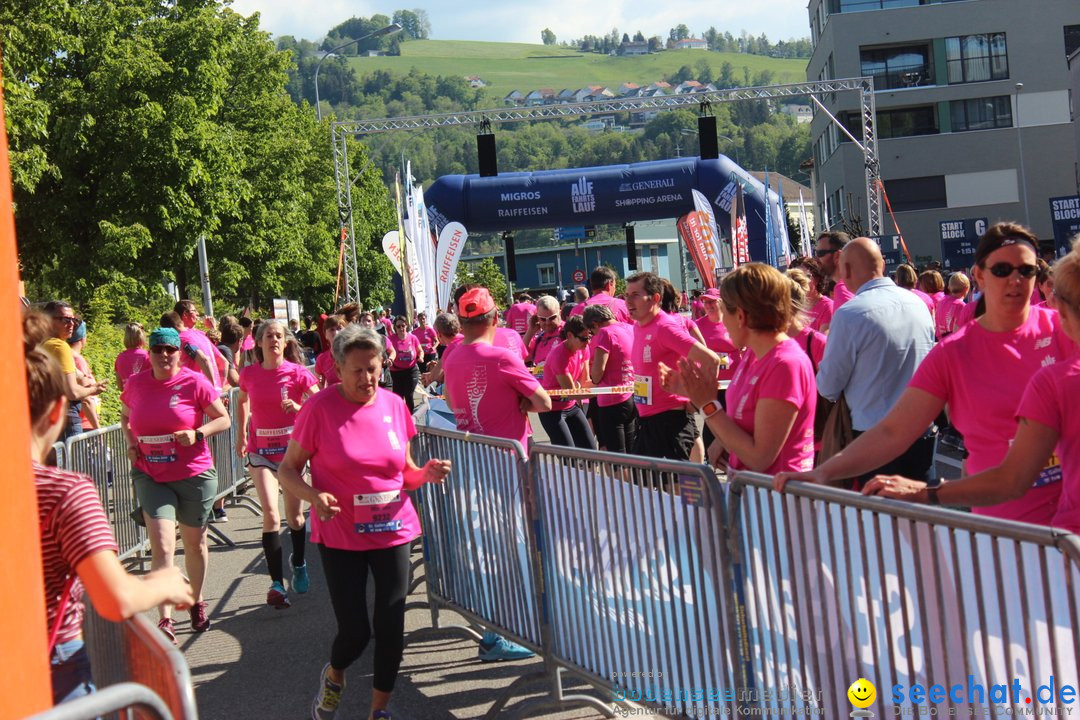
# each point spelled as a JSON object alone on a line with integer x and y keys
{"x": 276, "y": 597}
{"x": 325, "y": 705}
{"x": 495, "y": 647}
{"x": 300, "y": 580}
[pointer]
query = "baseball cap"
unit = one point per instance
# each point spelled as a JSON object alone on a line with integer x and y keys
{"x": 164, "y": 336}
{"x": 712, "y": 293}
{"x": 475, "y": 302}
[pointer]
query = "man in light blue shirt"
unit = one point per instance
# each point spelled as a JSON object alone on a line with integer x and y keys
{"x": 876, "y": 341}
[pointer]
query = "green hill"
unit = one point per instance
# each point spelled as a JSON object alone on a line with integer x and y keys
{"x": 520, "y": 66}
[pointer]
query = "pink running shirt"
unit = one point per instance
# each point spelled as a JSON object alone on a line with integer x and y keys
{"x": 484, "y": 385}
{"x": 270, "y": 427}
{"x": 821, "y": 313}
{"x": 507, "y": 338}
{"x": 131, "y": 362}
{"x": 562, "y": 361}
{"x": 966, "y": 314}
{"x": 928, "y": 301}
{"x": 408, "y": 351}
{"x": 365, "y": 476}
{"x": 327, "y": 368}
{"x": 840, "y": 295}
{"x": 717, "y": 339}
{"x": 198, "y": 339}
{"x": 1048, "y": 399}
{"x": 617, "y": 340}
{"x": 816, "y": 343}
{"x": 664, "y": 339}
{"x": 784, "y": 373}
{"x": 517, "y": 317}
{"x": 159, "y": 408}
{"x": 428, "y": 339}
{"x": 542, "y": 343}
{"x": 248, "y": 343}
{"x": 981, "y": 375}
{"x": 947, "y": 316}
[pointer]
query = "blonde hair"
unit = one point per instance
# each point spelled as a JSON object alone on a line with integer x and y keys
{"x": 134, "y": 336}
{"x": 959, "y": 281}
{"x": 1067, "y": 280}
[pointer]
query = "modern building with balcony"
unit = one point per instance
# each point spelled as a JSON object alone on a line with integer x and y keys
{"x": 973, "y": 110}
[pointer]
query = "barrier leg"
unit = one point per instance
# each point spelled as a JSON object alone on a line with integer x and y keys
{"x": 219, "y": 537}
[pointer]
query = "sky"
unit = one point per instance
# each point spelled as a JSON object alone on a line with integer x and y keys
{"x": 522, "y": 20}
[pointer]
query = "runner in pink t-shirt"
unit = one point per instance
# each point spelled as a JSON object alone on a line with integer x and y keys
{"x": 617, "y": 306}
{"x": 195, "y": 341}
{"x": 130, "y": 362}
{"x": 716, "y": 335}
{"x": 821, "y": 313}
{"x": 565, "y": 423}
{"x": 840, "y": 295}
{"x": 517, "y": 315}
{"x": 162, "y": 420}
{"x": 325, "y": 367}
{"x": 356, "y": 438}
{"x": 272, "y": 392}
{"x": 405, "y": 369}
{"x": 946, "y": 316}
{"x": 612, "y": 346}
{"x": 666, "y": 427}
{"x": 429, "y": 339}
{"x": 507, "y": 338}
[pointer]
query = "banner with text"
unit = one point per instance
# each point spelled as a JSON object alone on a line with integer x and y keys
{"x": 1065, "y": 216}
{"x": 959, "y": 238}
{"x": 451, "y": 244}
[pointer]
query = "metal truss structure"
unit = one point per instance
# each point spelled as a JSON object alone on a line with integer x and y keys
{"x": 343, "y": 130}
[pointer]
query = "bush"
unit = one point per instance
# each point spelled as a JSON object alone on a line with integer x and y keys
{"x": 103, "y": 343}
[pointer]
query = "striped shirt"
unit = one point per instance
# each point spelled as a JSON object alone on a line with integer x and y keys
{"x": 73, "y": 527}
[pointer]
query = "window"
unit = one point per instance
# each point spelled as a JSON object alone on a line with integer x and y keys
{"x": 654, "y": 259}
{"x": 1072, "y": 39}
{"x": 923, "y": 193}
{"x": 981, "y": 113}
{"x": 974, "y": 58}
{"x": 898, "y": 67}
{"x": 545, "y": 274}
{"x": 906, "y": 122}
{"x": 857, "y": 5}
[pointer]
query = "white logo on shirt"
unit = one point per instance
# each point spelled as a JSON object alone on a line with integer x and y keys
{"x": 1049, "y": 360}
{"x": 646, "y": 354}
{"x": 174, "y": 400}
{"x": 474, "y": 391}
{"x": 393, "y": 438}
{"x": 1043, "y": 342}
{"x": 386, "y": 419}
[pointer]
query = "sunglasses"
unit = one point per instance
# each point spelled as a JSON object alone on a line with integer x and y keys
{"x": 73, "y": 321}
{"x": 1004, "y": 270}
{"x": 824, "y": 252}
{"x": 549, "y": 318}
{"x": 164, "y": 349}
{"x": 582, "y": 338}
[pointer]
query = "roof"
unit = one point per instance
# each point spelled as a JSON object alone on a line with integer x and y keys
{"x": 790, "y": 187}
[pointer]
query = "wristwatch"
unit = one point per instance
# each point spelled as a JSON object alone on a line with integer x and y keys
{"x": 932, "y": 488}
{"x": 711, "y": 408}
{"x": 199, "y": 437}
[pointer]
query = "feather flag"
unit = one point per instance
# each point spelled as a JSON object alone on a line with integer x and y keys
{"x": 740, "y": 237}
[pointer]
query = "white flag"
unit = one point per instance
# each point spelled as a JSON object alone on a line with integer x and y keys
{"x": 451, "y": 244}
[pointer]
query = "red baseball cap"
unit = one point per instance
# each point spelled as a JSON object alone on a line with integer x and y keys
{"x": 475, "y": 302}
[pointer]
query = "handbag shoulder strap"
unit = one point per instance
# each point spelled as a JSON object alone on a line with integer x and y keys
{"x": 809, "y": 354}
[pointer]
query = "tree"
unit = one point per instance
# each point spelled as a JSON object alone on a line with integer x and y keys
{"x": 485, "y": 273}
{"x": 414, "y": 23}
{"x": 639, "y": 37}
{"x": 704, "y": 72}
{"x": 547, "y": 36}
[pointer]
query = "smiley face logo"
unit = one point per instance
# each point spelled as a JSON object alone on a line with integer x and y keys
{"x": 862, "y": 693}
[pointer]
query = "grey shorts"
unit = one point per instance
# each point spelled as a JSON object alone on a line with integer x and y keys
{"x": 186, "y": 501}
{"x": 261, "y": 461}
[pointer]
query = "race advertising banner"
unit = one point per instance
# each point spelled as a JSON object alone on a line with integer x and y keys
{"x": 1065, "y": 215}
{"x": 959, "y": 238}
{"x": 891, "y": 251}
{"x": 740, "y": 243}
{"x": 695, "y": 235}
{"x": 451, "y": 244}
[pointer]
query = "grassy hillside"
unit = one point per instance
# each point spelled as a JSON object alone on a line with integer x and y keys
{"x": 520, "y": 66}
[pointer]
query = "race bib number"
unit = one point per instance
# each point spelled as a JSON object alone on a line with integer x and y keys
{"x": 158, "y": 448}
{"x": 374, "y": 512}
{"x": 272, "y": 442}
{"x": 538, "y": 371}
{"x": 643, "y": 390}
{"x": 1051, "y": 473}
{"x": 404, "y": 357}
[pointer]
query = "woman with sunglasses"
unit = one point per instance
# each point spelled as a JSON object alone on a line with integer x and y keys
{"x": 565, "y": 422}
{"x": 272, "y": 391}
{"x": 405, "y": 370}
{"x": 610, "y": 366}
{"x": 172, "y": 469}
{"x": 980, "y": 372}
{"x": 544, "y": 335}
{"x": 64, "y": 323}
{"x": 1048, "y": 427}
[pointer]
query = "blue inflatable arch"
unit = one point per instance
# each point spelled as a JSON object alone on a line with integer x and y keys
{"x": 612, "y": 194}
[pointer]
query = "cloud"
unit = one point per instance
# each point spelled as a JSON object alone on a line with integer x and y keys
{"x": 522, "y": 21}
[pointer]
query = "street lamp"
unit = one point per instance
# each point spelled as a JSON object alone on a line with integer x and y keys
{"x": 1020, "y": 147}
{"x": 388, "y": 30}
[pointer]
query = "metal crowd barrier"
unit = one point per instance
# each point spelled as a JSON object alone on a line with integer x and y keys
{"x": 130, "y": 699}
{"x": 102, "y": 454}
{"x": 477, "y": 535}
{"x": 636, "y": 569}
{"x": 136, "y": 651}
{"x": 837, "y": 586}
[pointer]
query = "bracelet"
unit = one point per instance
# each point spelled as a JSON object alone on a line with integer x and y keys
{"x": 711, "y": 408}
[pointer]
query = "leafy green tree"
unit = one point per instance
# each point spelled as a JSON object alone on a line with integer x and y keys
{"x": 485, "y": 273}
{"x": 547, "y": 36}
{"x": 414, "y": 23}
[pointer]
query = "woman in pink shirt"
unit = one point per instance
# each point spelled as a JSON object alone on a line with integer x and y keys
{"x": 546, "y": 332}
{"x": 980, "y": 372}
{"x": 325, "y": 369}
{"x": 272, "y": 391}
{"x": 405, "y": 369}
{"x": 907, "y": 278}
{"x": 610, "y": 366}
{"x": 769, "y": 423}
{"x": 134, "y": 359}
{"x": 949, "y": 309}
{"x": 1047, "y": 441}
{"x": 565, "y": 422}
{"x": 819, "y": 306}
{"x": 715, "y": 337}
{"x": 429, "y": 339}
{"x": 172, "y": 469}
{"x": 356, "y": 437}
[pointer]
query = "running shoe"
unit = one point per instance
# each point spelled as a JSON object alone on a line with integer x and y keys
{"x": 300, "y": 580}
{"x": 326, "y": 702}
{"x": 276, "y": 597}
{"x": 199, "y": 621}
{"x": 165, "y": 625}
{"x": 220, "y": 516}
{"x": 495, "y": 647}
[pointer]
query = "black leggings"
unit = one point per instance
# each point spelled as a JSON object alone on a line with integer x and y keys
{"x": 568, "y": 428}
{"x": 616, "y": 426}
{"x": 346, "y": 574}
{"x": 405, "y": 382}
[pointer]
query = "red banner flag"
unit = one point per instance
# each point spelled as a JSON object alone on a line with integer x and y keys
{"x": 740, "y": 235}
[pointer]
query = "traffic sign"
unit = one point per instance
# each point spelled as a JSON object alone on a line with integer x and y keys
{"x": 578, "y": 276}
